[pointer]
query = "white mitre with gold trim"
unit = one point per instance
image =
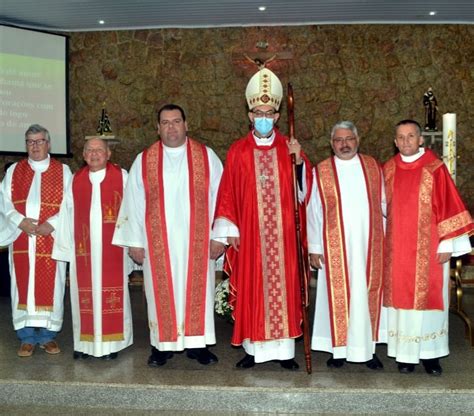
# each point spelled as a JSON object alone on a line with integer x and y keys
{"x": 264, "y": 88}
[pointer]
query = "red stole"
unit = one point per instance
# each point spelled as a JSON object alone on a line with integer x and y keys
{"x": 423, "y": 208}
{"x": 111, "y": 190}
{"x": 337, "y": 270}
{"x": 159, "y": 252}
{"x": 45, "y": 266}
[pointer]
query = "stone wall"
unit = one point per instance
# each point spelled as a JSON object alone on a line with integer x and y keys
{"x": 374, "y": 75}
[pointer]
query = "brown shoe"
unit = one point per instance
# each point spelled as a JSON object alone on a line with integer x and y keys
{"x": 51, "y": 347}
{"x": 26, "y": 350}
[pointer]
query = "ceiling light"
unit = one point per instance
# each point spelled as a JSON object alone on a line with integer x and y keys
{"x": 262, "y": 8}
{"x": 433, "y": 13}
{"x": 101, "y": 22}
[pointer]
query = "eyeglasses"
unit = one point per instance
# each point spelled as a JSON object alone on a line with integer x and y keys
{"x": 266, "y": 114}
{"x": 31, "y": 143}
{"x": 340, "y": 140}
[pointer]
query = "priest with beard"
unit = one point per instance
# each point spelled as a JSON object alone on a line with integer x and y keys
{"x": 345, "y": 242}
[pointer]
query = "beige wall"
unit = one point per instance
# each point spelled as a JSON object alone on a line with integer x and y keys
{"x": 374, "y": 75}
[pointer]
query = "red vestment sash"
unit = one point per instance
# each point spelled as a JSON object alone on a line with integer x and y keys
{"x": 159, "y": 252}
{"x": 111, "y": 190}
{"x": 337, "y": 270}
{"x": 423, "y": 208}
{"x": 45, "y": 266}
{"x": 256, "y": 195}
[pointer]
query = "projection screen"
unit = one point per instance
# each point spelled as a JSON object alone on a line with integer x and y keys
{"x": 33, "y": 87}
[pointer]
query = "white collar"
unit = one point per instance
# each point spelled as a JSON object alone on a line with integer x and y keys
{"x": 264, "y": 141}
{"x": 41, "y": 165}
{"x": 412, "y": 158}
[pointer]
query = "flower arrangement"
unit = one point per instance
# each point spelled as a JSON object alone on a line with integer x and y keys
{"x": 221, "y": 300}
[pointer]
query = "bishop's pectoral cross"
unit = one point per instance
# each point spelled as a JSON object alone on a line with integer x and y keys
{"x": 263, "y": 179}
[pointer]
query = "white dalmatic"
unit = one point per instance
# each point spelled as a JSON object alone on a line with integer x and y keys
{"x": 355, "y": 215}
{"x": 130, "y": 232}
{"x": 64, "y": 249}
{"x": 30, "y": 317}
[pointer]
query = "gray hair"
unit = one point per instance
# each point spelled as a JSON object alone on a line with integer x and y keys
{"x": 35, "y": 129}
{"x": 349, "y": 125}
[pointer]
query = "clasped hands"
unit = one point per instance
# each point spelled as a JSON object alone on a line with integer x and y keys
{"x": 31, "y": 227}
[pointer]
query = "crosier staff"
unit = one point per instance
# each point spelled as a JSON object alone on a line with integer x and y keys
{"x": 301, "y": 267}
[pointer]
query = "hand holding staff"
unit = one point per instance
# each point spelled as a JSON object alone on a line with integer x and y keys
{"x": 301, "y": 265}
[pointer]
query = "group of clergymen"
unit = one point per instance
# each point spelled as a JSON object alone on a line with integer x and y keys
{"x": 381, "y": 239}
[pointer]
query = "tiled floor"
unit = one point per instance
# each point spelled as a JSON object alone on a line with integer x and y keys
{"x": 131, "y": 371}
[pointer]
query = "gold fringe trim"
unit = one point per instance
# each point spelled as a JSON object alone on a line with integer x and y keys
{"x": 44, "y": 308}
{"x": 113, "y": 337}
{"x": 87, "y": 337}
{"x": 22, "y": 307}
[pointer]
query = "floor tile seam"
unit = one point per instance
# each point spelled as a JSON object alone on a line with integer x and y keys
{"x": 245, "y": 389}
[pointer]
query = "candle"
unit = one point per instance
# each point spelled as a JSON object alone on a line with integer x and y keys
{"x": 449, "y": 143}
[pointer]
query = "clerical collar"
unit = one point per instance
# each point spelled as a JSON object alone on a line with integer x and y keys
{"x": 41, "y": 165}
{"x": 175, "y": 149}
{"x": 350, "y": 161}
{"x": 264, "y": 141}
{"x": 413, "y": 158}
{"x": 96, "y": 172}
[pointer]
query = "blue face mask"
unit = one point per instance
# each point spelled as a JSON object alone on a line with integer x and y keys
{"x": 263, "y": 125}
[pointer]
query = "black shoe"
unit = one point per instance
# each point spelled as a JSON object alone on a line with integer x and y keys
{"x": 289, "y": 364}
{"x": 111, "y": 356}
{"x": 335, "y": 362}
{"x": 159, "y": 358}
{"x": 78, "y": 354}
{"x": 374, "y": 363}
{"x": 202, "y": 355}
{"x": 406, "y": 368}
{"x": 432, "y": 367}
{"x": 247, "y": 362}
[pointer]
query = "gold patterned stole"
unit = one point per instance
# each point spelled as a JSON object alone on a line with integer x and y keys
{"x": 375, "y": 255}
{"x": 337, "y": 270}
{"x": 270, "y": 221}
{"x": 45, "y": 266}
{"x": 159, "y": 251}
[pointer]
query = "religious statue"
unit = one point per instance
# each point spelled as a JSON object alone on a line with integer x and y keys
{"x": 104, "y": 127}
{"x": 431, "y": 108}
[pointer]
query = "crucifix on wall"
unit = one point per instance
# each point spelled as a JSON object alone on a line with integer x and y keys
{"x": 261, "y": 58}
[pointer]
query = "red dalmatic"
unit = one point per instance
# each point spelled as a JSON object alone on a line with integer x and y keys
{"x": 423, "y": 209}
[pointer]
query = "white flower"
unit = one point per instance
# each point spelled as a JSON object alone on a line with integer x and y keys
{"x": 221, "y": 299}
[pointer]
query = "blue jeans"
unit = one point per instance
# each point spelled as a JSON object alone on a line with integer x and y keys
{"x": 32, "y": 335}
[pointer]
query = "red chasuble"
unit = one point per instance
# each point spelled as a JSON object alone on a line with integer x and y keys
{"x": 337, "y": 270}
{"x": 45, "y": 266}
{"x": 256, "y": 195}
{"x": 423, "y": 209}
{"x": 111, "y": 191}
{"x": 198, "y": 257}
